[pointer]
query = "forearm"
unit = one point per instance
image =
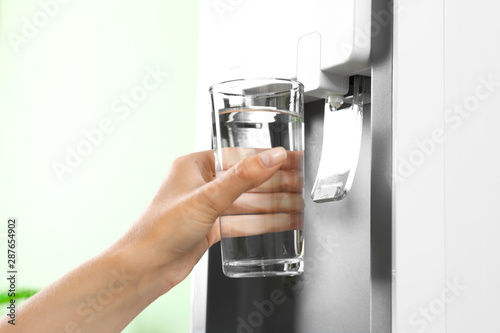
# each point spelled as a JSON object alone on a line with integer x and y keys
{"x": 102, "y": 295}
{"x": 159, "y": 250}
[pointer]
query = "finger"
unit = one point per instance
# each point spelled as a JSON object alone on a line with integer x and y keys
{"x": 230, "y": 156}
{"x": 207, "y": 203}
{"x": 259, "y": 203}
{"x": 206, "y": 165}
{"x": 281, "y": 181}
{"x": 194, "y": 169}
{"x": 248, "y": 225}
{"x": 294, "y": 160}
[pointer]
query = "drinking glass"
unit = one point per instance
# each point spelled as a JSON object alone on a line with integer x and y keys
{"x": 262, "y": 231}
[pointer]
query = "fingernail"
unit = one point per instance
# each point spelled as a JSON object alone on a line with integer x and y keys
{"x": 271, "y": 157}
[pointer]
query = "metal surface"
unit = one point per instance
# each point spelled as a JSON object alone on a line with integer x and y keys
{"x": 381, "y": 170}
{"x": 335, "y": 287}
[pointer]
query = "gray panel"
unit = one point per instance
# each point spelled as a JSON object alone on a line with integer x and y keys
{"x": 333, "y": 295}
{"x": 381, "y": 187}
{"x": 335, "y": 288}
{"x": 248, "y": 305}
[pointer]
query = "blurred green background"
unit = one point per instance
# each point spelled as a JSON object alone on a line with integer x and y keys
{"x": 62, "y": 73}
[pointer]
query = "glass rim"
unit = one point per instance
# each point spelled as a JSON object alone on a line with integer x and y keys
{"x": 265, "y": 80}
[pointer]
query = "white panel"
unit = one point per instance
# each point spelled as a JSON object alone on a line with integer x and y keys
{"x": 259, "y": 38}
{"x": 199, "y": 281}
{"x": 472, "y": 164}
{"x": 447, "y": 222}
{"x": 419, "y": 251}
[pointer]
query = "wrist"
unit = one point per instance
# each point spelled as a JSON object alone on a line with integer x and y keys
{"x": 140, "y": 264}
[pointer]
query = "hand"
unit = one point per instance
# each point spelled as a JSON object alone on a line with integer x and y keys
{"x": 181, "y": 222}
{"x": 105, "y": 293}
{"x": 276, "y": 205}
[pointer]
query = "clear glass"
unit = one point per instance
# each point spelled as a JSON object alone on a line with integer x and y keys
{"x": 262, "y": 231}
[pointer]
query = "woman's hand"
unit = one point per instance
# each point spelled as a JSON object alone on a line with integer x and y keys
{"x": 181, "y": 222}
{"x": 105, "y": 293}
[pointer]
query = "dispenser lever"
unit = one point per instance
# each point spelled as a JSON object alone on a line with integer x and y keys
{"x": 342, "y": 133}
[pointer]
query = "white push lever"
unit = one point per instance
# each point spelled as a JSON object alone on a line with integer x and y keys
{"x": 341, "y": 145}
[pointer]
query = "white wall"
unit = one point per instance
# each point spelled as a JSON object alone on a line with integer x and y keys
{"x": 64, "y": 73}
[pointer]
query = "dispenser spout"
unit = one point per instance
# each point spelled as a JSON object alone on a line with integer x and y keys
{"x": 335, "y": 101}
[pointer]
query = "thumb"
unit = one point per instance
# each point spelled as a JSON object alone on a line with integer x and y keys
{"x": 215, "y": 197}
